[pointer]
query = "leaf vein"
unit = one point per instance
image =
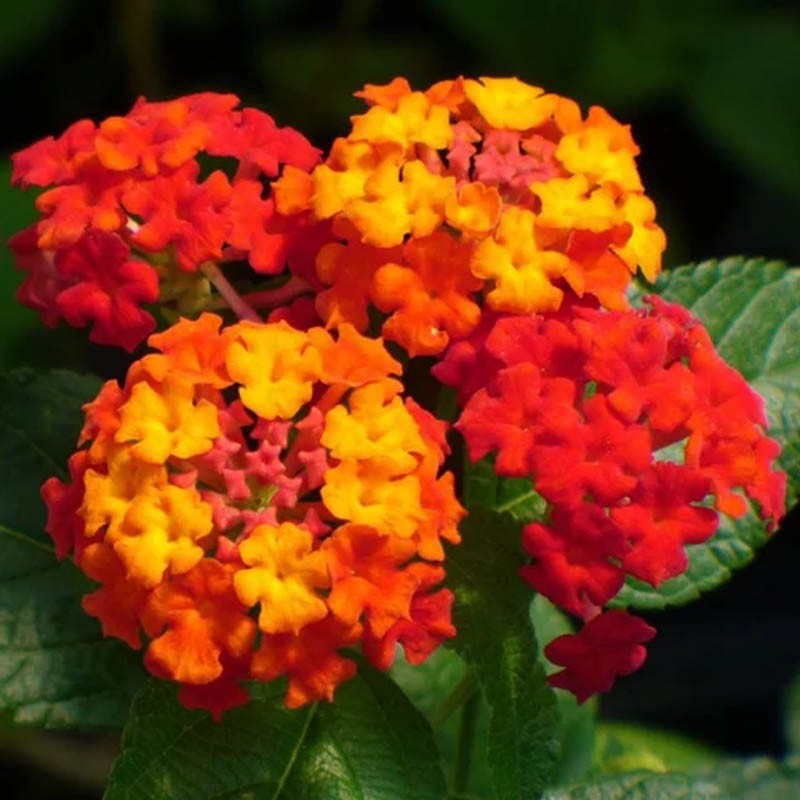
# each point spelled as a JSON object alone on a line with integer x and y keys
{"x": 295, "y": 752}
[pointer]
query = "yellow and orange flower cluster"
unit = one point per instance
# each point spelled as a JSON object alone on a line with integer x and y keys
{"x": 252, "y": 500}
{"x": 473, "y": 193}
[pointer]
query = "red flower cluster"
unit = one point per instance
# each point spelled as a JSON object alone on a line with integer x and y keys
{"x": 129, "y": 206}
{"x": 636, "y": 432}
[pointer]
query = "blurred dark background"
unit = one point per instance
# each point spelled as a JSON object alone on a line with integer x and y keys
{"x": 711, "y": 88}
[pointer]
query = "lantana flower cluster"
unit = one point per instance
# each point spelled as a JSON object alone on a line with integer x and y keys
{"x": 636, "y": 433}
{"x": 473, "y": 195}
{"x": 258, "y": 497}
{"x": 253, "y": 500}
{"x": 131, "y": 213}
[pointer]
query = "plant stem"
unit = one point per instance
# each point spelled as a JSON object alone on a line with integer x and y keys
{"x": 237, "y": 303}
{"x": 466, "y": 742}
{"x": 270, "y": 298}
{"x": 463, "y": 690}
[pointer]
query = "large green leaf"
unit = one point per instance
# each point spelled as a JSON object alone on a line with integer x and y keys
{"x": 622, "y": 747}
{"x": 443, "y": 688}
{"x": 169, "y": 751}
{"x": 56, "y": 669}
{"x": 641, "y": 786}
{"x": 751, "y": 308}
{"x": 758, "y": 779}
{"x": 40, "y": 418}
{"x": 370, "y": 743}
{"x": 497, "y": 640}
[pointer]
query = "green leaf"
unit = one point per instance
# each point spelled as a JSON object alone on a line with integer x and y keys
{"x": 496, "y": 638}
{"x": 513, "y": 496}
{"x": 758, "y": 779}
{"x": 169, "y": 751}
{"x": 370, "y": 743}
{"x": 40, "y": 419}
{"x": 751, "y": 308}
{"x": 577, "y": 723}
{"x": 480, "y": 483}
{"x": 440, "y": 687}
{"x": 428, "y": 685}
{"x": 56, "y": 670}
{"x": 641, "y": 786}
{"x": 622, "y": 747}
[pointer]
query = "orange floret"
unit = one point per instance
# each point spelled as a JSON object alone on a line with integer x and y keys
{"x": 195, "y": 350}
{"x": 160, "y": 532}
{"x": 310, "y": 659}
{"x": 474, "y": 209}
{"x": 347, "y": 270}
{"x": 368, "y": 578}
{"x": 569, "y": 203}
{"x": 351, "y": 359}
{"x": 194, "y": 621}
{"x": 603, "y": 150}
{"x": 386, "y": 95}
{"x": 431, "y": 292}
{"x": 108, "y": 495}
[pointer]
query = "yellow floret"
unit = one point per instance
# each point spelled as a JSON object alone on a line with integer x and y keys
{"x": 275, "y": 367}
{"x": 509, "y": 103}
{"x": 164, "y": 421}
{"x": 373, "y": 429}
{"x": 283, "y": 577}
{"x": 522, "y": 273}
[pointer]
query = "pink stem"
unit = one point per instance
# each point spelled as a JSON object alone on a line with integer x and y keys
{"x": 238, "y": 304}
{"x": 271, "y": 298}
